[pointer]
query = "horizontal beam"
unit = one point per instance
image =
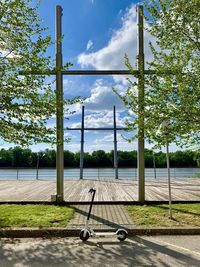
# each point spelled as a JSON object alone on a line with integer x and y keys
{"x": 95, "y": 129}
{"x": 99, "y": 72}
{"x": 81, "y": 72}
{"x": 96, "y": 72}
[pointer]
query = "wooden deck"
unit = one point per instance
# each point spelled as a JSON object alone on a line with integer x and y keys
{"x": 107, "y": 190}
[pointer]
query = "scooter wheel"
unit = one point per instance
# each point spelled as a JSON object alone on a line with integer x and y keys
{"x": 84, "y": 236}
{"x": 121, "y": 235}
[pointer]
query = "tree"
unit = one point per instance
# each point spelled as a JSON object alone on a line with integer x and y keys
{"x": 174, "y": 98}
{"x": 172, "y": 101}
{"x": 100, "y": 158}
{"x": 69, "y": 160}
{"x": 26, "y": 102}
{"x": 21, "y": 157}
{"x": 6, "y": 158}
{"x": 127, "y": 159}
{"x": 196, "y": 157}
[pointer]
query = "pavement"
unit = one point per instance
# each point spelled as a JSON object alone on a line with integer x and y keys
{"x": 102, "y": 217}
{"x": 161, "y": 251}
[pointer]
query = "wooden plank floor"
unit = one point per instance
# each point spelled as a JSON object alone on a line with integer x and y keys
{"x": 107, "y": 190}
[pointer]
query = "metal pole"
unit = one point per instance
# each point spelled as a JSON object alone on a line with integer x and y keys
{"x": 169, "y": 179}
{"x": 38, "y": 160}
{"x": 82, "y": 144}
{"x": 141, "y": 162}
{"x": 59, "y": 105}
{"x": 154, "y": 165}
{"x": 115, "y": 145}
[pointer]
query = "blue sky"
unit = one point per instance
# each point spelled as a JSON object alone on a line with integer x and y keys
{"x": 97, "y": 34}
{"x": 89, "y": 29}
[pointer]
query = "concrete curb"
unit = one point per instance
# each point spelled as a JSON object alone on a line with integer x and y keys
{"x": 63, "y": 232}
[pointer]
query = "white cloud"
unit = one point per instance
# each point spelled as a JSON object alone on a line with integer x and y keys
{"x": 67, "y": 82}
{"x": 106, "y": 143}
{"x": 73, "y": 147}
{"x": 123, "y": 41}
{"x": 101, "y": 119}
{"x": 89, "y": 45}
{"x": 110, "y": 138}
{"x": 109, "y": 146}
{"x": 102, "y": 98}
{"x": 69, "y": 135}
{"x": 8, "y": 55}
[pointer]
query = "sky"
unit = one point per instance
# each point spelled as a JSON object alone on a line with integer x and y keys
{"x": 97, "y": 35}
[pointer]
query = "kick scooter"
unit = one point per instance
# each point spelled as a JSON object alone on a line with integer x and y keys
{"x": 87, "y": 232}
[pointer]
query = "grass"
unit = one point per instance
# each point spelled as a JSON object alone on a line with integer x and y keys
{"x": 58, "y": 216}
{"x": 35, "y": 215}
{"x": 158, "y": 215}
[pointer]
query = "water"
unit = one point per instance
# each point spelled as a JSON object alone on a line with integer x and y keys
{"x": 95, "y": 173}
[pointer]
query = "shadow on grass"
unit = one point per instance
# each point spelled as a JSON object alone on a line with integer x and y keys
{"x": 180, "y": 210}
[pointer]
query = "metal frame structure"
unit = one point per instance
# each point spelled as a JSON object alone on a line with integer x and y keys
{"x": 59, "y": 81}
{"x": 82, "y": 129}
{"x": 139, "y": 73}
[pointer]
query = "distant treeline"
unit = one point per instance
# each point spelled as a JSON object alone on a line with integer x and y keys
{"x": 18, "y": 157}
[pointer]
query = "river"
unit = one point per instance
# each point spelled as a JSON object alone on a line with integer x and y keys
{"x": 97, "y": 173}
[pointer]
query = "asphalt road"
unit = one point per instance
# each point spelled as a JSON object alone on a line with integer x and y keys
{"x": 135, "y": 251}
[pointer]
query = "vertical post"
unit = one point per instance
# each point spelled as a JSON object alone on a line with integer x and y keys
{"x": 115, "y": 145}
{"x": 82, "y": 144}
{"x": 154, "y": 165}
{"x": 38, "y": 160}
{"x": 141, "y": 162}
{"x": 169, "y": 180}
{"x": 59, "y": 106}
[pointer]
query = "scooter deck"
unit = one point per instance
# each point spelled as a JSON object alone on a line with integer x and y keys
{"x": 104, "y": 233}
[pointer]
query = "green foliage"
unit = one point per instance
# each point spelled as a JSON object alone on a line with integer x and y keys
{"x": 126, "y": 158}
{"x": 18, "y": 157}
{"x": 173, "y": 98}
{"x": 26, "y": 102}
{"x": 100, "y": 156}
{"x": 196, "y": 157}
{"x": 70, "y": 159}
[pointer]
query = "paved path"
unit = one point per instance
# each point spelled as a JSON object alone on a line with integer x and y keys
{"x": 161, "y": 251}
{"x": 102, "y": 216}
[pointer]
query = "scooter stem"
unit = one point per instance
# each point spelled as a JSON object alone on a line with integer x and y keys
{"x": 92, "y": 191}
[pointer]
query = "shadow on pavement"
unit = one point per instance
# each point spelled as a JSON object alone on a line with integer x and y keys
{"x": 136, "y": 251}
{"x": 99, "y": 219}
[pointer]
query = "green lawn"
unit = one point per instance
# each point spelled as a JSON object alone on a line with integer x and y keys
{"x": 158, "y": 215}
{"x": 59, "y": 216}
{"x": 35, "y": 215}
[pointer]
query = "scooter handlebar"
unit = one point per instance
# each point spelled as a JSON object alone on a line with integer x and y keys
{"x": 92, "y": 190}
